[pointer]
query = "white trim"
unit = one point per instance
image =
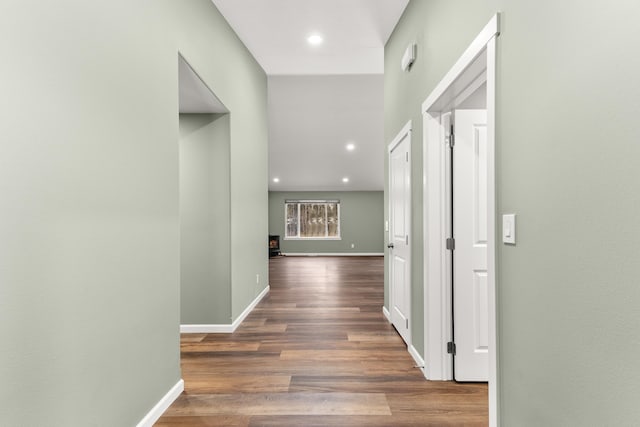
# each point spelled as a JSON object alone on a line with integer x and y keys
{"x": 156, "y": 412}
{"x": 386, "y": 314}
{"x": 326, "y": 228}
{"x": 206, "y": 329}
{"x": 224, "y": 329}
{"x": 313, "y": 238}
{"x": 437, "y": 299}
{"x": 312, "y": 201}
{"x": 472, "y": 88}
{"x": 494, "y": 418}
{"x": 250, "y": 307}
{"x": 405, "y": 132}
{"x": 476, "y": 47}
{"x": 417, "y": 358}
{"x": 333, "y": 254}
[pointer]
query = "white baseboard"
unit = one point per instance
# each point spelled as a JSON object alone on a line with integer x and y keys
{"x": 412, "y": 350}
{"x": 386, "y": 313}
{"x": 206, "y": 329}
{"x": 418, "y": 359}
{"x": 224, "y": 329}
{"x": 333, "y": 254}
{"x": 156, "y": 412}
{"x": 250, "y": 308}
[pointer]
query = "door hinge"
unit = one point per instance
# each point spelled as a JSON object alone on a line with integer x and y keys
{"x": 451, "y": 243}
{"x": 407, "y": 323}
{"x": 451, "y": 348}
{"x": 407, "y": 156}
{"x": 406, "y": 239}
{"x": 451, "y": 139}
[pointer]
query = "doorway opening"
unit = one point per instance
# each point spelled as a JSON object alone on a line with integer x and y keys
{"x": 205, "y": 217}
{"x": 473, "y": 73}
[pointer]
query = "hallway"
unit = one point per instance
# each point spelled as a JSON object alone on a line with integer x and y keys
{"x": 317, "y": 351}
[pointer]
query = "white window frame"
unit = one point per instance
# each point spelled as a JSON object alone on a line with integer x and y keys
{"x": 317, "y": 202}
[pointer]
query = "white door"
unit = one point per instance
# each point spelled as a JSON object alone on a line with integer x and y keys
{"x": 470, "y": 222}
{"x": 400, "y": 222}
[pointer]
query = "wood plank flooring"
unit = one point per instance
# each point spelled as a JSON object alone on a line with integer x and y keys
{"x": 317, "y": 351}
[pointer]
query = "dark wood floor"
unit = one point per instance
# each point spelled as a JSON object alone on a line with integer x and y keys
{"x": 316, "y": 351}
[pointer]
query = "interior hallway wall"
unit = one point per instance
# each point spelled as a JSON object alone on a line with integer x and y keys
{"x": 567, "y": 164}
{"x": 442, "y": 30}
{"x": 205, "y": 219}
{"x": 89, "y": 237}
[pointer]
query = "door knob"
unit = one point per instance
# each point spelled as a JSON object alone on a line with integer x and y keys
{"x": 390, "y": 246}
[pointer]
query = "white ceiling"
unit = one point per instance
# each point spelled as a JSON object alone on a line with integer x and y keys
{"x": 354, "y": 31}
{"x": 311, "y": 121}
{"x": 320, "y": 97}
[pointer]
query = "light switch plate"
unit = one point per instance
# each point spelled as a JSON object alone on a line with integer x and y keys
{"x": 509, "y": 228}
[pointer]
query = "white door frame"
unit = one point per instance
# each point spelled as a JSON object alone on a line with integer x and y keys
{"x": 476, "y": 65}
{"x": 404, "y": 133}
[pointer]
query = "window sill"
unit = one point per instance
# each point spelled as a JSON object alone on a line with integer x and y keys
{"x": 313, "y": 238}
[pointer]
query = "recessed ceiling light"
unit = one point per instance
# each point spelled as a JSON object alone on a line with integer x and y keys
{"x": 315, "y": 39}
{"x": 276, "y": 179}
{"x": 345, "y": 179}
{"x": 351, "y": 147}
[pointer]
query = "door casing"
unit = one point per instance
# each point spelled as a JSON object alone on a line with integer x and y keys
{"x": 405, "y": 133}
{"x": 476, "y": 66}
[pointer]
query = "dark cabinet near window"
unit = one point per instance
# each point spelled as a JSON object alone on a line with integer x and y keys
{"x": 274, "y": 246}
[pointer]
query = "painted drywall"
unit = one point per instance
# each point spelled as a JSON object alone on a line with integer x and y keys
{"x": 205, "y": 235}
{"x": 361, "y": 222}
{"x": 567, "y": 164}
{"x": 422, "y": 23}
{"x": 89, "y": 237}
{"x": 311, "y": 120}
{"x": 476, "y": 101}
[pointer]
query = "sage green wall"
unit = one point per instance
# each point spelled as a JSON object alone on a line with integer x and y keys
{"x": 440, "y": 43}
{"x": 361, "y": 221}
{"x": 89, "y": 272}
{"x": 567, "y": 165}
{"x": 205, "y": 235}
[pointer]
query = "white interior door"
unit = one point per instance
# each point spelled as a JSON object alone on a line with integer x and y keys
{"x": 470, "y": 225}
{"x": 400, "y": 222}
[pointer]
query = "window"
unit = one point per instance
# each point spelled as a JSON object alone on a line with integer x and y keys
{"x": 312, "y": 219}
